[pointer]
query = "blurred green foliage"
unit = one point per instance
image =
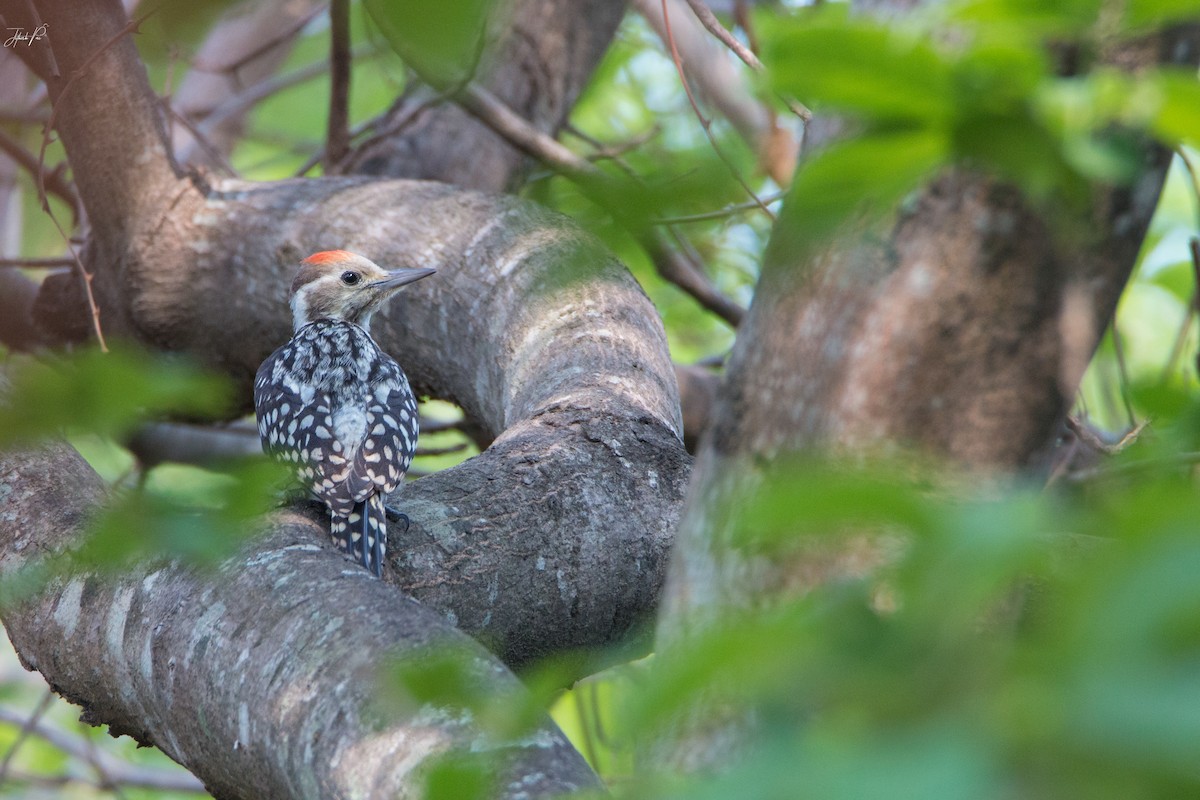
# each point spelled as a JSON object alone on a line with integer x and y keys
{"x": 102, "y": 393}
{"x": 443, "y": 42}
{"x": 974, "y": 84}
{"x": 99, "y": 398}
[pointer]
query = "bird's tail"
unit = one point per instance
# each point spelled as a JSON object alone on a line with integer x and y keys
{"x": 363, "y": 532}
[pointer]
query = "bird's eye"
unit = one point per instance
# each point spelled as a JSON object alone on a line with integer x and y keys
{"x": 350, "y": 278}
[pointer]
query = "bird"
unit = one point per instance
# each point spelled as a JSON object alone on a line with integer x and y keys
{"x": 335, "y": 406}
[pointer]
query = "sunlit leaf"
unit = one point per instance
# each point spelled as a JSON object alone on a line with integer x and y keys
{"x": 459, "y": 776}
{"x": 442, "y": 41}
{"x": 864, "y": 175}
{"x": 1152, "y": 13}
{"x": 863, "y": 68}
{"x": 1177, "y": 117}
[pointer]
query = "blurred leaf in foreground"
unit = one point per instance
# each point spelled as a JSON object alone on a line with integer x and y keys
{"x": 102, "y": 393}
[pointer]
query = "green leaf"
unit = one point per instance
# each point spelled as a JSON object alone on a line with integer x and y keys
{"x": 460, "y": 776}
{"x": 1028, "y": 18}
{"x": 201, "y": 519}
{"x": 1018, "y": 150}
{"x": 866, "y": 175}
{"x": 859, "y": 67}
{"x": 106, "y": 394}
{"x": 822, "y": 498}
{"x": 1156, "y": 13}
{"x": 1176, "y": 119}
{"x": 442, "y": 41}
{"x": 1179, "y": 279}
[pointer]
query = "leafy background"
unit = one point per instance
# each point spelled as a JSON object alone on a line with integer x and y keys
{"x": 1025, "y": 641}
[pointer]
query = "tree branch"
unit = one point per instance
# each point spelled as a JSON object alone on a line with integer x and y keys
{"x": 113, "y": 771}
{"x": 671, "y": 265}
{"x": 714, "y": 26}
{"x": 337, "y": 138}
{"x": 95, "y": 56}
{"x": 724, "y": 86}
{"x": 259, "y": 685}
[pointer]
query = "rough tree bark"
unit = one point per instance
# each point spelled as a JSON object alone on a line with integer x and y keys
{"x": 554, "y": 537}
{"x": 259, "y": 697}
{"x": 962, "y": 333}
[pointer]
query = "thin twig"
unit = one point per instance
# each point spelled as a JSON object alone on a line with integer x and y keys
{"x": 441, "y": 451}
{"x": 727, "y": 211}
{"x": 674, "y": 267}
{"x": 55, "y": 183}
{"x": 26, "y": 730}
{"x": 1195, "y": 180}
{"x": 116, "y": 771}
{"x": 440, "y": 425}
{"x": 337, "y": 133}
{"x": 1118, "y": 468}
{"x": 264, "y": 48}
{"x": 705, "y": 123}
{"x": 1119, "y": 350}
{"x": 709, "y": 20}
{"x": 376, "y": 122}
{"x": 86, "y": 277}
{"x": 251, "y": 96}
{"x": 614, "y": 152}
{"x": 1193, "y": 306}
{"x": 671, "y": 265}
{"x": 741, "y": 17}
{"x": 517, "y": 130}
{"x": 201, "y": 139}
{"x": 36, "y": 263}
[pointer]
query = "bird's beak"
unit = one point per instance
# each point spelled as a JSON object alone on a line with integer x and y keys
{"x": 399, "y": 277}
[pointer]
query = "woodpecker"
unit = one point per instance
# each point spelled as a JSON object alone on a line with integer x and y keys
{"x": 334, "y": 405}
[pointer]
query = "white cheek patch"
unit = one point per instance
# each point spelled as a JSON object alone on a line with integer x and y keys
{"x": 299, "y": 310}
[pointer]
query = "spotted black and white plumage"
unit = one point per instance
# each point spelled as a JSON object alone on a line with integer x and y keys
{"x": 336, "y": 406}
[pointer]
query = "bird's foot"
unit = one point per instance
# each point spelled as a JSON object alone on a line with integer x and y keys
{"x": 395, "y": 515}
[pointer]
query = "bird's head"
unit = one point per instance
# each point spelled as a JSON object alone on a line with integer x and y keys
{"x": 336, "y": 284}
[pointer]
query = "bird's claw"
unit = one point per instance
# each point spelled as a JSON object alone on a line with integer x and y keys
{"x": 395, "y": 515}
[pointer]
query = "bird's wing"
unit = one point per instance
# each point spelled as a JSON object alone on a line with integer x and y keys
{"x": 391, "y": 439}
{"x": 295, "y": 424}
